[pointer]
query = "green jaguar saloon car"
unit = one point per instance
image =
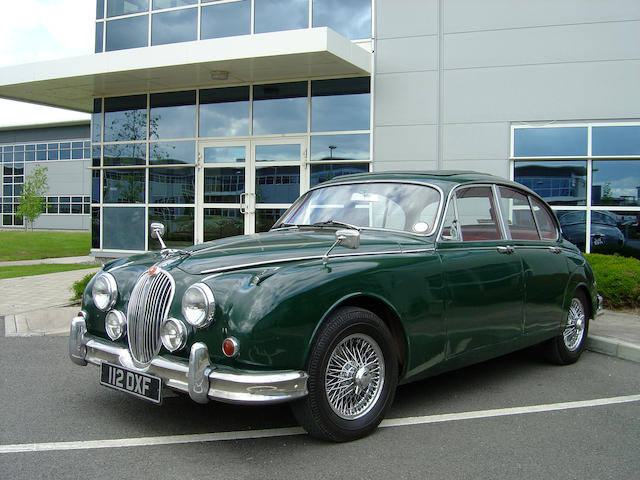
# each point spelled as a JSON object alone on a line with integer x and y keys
{"x": 366, "y": 282}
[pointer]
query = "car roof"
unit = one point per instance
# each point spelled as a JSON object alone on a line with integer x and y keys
{"x": 443, "y": 178}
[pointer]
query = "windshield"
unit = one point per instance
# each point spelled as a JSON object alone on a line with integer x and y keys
{"x": 394, "y": 206}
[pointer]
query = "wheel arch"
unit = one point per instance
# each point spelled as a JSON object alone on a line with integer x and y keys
{"x": 383, "y": 309}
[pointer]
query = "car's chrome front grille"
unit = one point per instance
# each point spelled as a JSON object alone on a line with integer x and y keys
{"x": 148, "y": 308}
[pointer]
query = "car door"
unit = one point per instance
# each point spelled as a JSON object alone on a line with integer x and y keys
{"x": 534, "y": 235}
{"x": 483, "y": 277}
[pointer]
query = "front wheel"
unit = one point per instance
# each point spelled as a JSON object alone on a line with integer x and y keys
{"x": 353, "y": 373}
{"x": 567, "y": 347}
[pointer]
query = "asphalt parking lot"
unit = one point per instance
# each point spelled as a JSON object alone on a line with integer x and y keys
{"x": 513, "y": 416}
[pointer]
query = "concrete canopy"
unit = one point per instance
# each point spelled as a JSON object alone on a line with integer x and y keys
{"x": 73, "y": 83}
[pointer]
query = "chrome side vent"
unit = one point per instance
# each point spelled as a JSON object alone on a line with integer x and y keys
{"x": 148, "y": 308}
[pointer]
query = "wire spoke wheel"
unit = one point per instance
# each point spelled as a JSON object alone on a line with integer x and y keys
{"x": 354, "y": 376}
{"x": 576, "y": 321}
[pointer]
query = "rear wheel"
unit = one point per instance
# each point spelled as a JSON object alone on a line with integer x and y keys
{"x": 353, "y": 375}
{"x": 567, "y": 347}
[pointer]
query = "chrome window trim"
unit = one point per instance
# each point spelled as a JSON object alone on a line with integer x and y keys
{"x": 404, "y": 182}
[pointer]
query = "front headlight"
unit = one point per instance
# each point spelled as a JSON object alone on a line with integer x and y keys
{"x": 115, "y": 324}
{"x": 104, "y": 291}
{"x": 198, "y": 305}
{"x": 173, "y": 334}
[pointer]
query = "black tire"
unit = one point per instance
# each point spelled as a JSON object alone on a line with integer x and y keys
{"x": 567, "y": 347}
{"x": 348, "y": 399}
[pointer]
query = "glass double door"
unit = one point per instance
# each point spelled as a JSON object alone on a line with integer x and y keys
{"x": 243, "y": 186}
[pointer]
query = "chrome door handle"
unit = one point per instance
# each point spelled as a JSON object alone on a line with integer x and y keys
{"x": 243, "y": 205}
{"x": 508, "y": 250}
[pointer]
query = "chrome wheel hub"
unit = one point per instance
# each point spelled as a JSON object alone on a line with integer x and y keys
{"x": 354, "y": 376}
{"x": 576, "y": 321}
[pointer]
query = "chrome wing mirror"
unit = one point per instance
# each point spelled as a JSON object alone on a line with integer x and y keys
{"x": 157, "y": 230}
{"x": 345, "y": 238}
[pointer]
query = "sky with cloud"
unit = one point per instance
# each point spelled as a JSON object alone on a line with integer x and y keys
{"x": 37, "y": 30}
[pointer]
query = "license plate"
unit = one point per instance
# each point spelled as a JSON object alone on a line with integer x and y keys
{"x": 141, "y": 385}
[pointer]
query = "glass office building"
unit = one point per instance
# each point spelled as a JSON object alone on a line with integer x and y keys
{"x": 213, "y": 116}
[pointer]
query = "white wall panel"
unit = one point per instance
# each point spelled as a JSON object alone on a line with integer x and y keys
{"x": 406, "y": 98}
{"x": 473, "y": 15}
{"x": 570, "y": 91}
{"x": 573, "y": 43}
{"x": 496, "y": 166}
{"x": 406, "y": 18}
{"x": 407, "y": 54}
{"x": 399, "y": 145}
{"x": 476, "y": 141}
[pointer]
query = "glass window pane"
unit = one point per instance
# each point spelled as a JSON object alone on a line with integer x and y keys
{"x": 280, "y": 108}
{"x": 123, "y": 228}
{"x": 76, "y": 199}
{"x": 123, "y": 186}
{"x": 52, "y": 155}
{"x": 99, "y": 36}
{"x": 517, "y": 215}
{"x": 175, "y": 26}
{"x": 65, "y": 208}
{"x": 125, "y": 118}
{"x": 95, "y": 186}
{"x": 126, "y": 7}
{"x": 171, "y": 185}
{"x": 326, "y": 171}
{"x": 616, "y": 182}
{"x": 96, "y": 121}
{"x": 65, "y": 153}
{"x": 76, "y": 209}
{"x": 340, "y": 105}
{"x": 178, "y": 224}
{"x": 173, "y": 115}
{"x": 223, "y": 185}
{"x": 557, "y": 182}
{"x": 171, "y": 153}
{"x": 95, "y": 227}
{"x": 277, "y": 184}
{"x": 278, "y": 153}
{"x": 477, "y": 219}
{"x": 608, "y": 229}
{"x": 340, "y": 147}
{"x": 99, "y": 9}
{"x": 159, "y": 4}
{"x": 620, "y": 140}
{"x": 225, "y": 154}
{"x": 574, "y": 226}
{"x": 95, "y": 156}
{"x": 125, "y": 154}
{"x": 226, "y": 20}
{"x": 224, "y": 112}
{"x": 544, "y": 219}
{"x": 350, "y": 19}
{"x": 277, "y": 15}
{"x": 266, "y": 217}
{"x": 550, "y": 142}
{"x": 127, "y": 33}
{"x": 222, "y": 222}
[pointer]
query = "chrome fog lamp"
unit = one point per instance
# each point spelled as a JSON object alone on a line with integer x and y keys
{"x": 115, "y": 324}
{"x": 104, "y": 291}
{"x": 173, "y": 334}
{"x": 198, "y": 305}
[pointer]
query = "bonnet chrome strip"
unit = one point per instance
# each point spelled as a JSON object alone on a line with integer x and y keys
{"x": 310, "y": 257}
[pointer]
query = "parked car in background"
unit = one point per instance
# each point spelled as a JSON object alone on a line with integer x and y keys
{"x": 366, "y": 282}
{"x": 604, "y": 228}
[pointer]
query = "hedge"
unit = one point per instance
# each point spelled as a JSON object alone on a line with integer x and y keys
{"x": 618, "y": 279}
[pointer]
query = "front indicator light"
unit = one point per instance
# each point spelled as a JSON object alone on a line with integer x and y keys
{"x": 198, "y": 305}
{"x": 173, "y": 334}
{"x": 115, "y": 324}
{"x": 230, "y": 347}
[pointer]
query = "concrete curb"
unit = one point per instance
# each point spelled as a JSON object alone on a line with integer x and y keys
{"x": 614, "y": 348}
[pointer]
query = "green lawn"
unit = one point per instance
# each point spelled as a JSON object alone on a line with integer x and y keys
{"x": 41, "y": 269}
{"x": 33, "y": 245}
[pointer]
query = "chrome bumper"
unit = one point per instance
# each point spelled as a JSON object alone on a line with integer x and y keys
{"x": 197, "y": 377}
{"x": 600, "y": 309}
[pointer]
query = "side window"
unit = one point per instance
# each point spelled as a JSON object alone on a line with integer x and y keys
{"x": 476, "y": 216}
{"x": 544, "y": 219}
{"x": 517, "y": 216}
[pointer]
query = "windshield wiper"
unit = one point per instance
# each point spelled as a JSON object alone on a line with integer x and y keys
{"x": 336, "y": 223}
{"x": 287, "y": 225}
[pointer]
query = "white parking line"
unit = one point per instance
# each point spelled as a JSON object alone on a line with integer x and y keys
{"x": 282, "y": 432}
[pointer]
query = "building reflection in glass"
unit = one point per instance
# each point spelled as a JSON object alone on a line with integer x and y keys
{"x": 558, "y": 182}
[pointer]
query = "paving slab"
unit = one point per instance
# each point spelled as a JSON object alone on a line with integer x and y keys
{"x": 51, "y": 321}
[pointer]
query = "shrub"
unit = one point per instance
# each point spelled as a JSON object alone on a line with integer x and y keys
{"x": 618, "y": 279}
{"x": 79, "y": 286}
{"x": 612, "y": 249}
